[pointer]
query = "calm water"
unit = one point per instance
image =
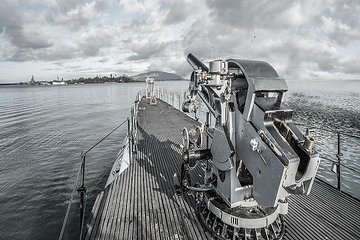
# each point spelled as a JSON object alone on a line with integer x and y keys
{"x": 44, "y": 129}
{"x": 333, "y": 106}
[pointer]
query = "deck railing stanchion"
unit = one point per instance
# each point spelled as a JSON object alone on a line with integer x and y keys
{"x": 81, "y": 189}
{"x": 207, "y": 124}
{"x": 79, "y": 184}
{"x": 129, "y": 137}
{"x": 338, "y": 155}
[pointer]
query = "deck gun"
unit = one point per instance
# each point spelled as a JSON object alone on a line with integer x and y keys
{"x": 258, "y": 157}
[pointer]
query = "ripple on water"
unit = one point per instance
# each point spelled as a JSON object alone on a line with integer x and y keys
{"x": 326, "y": 113}
{"x": 44, "y": 129}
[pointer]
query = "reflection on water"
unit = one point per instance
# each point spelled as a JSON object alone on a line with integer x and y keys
{"x": 43, "y": 130}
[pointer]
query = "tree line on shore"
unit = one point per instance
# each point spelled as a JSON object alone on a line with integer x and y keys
{"x": 101, "y": 79}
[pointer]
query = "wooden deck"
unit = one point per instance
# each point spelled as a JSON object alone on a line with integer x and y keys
{"x": 142, "y": 204}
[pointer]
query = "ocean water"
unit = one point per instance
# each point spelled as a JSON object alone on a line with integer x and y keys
{"x": 329, "y": 107}
{"x": 43, "y": 130}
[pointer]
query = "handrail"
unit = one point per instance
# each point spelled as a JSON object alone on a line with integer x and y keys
{"x": 337, "y": 164}
{"x": 329, "y": 130}
{"x": 106, "y": 136}
{"x": 343, "y": 165}
{"x": 82, "y": 189}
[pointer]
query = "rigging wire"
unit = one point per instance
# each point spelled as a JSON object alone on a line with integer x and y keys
{"x": 61, "y": 235}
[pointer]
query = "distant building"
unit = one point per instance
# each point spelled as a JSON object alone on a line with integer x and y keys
{"x": 59, "y": 83}
{"x": 32, "y": 81}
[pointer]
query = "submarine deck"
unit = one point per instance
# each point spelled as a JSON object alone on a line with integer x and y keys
{"x": 142, "y": 204}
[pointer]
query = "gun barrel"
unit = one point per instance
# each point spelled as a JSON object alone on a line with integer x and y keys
{"x": 196, "y": 63}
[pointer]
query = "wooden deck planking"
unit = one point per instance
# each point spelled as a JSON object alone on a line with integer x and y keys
{"x": 94, "y": 213}
{"x": 141, "y": 203}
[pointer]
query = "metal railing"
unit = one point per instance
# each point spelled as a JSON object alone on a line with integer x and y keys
{"x": 337, "y": 163}
{"x": 80, "y": 187}
{"x": 173, "y": 98}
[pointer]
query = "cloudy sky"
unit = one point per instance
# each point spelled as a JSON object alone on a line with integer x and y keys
{"x": 73, "y": 38}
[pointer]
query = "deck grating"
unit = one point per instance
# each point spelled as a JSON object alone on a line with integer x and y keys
{"x": 141, "y": 203}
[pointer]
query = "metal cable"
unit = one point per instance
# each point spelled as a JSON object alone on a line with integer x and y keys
{"x": 69, "y": 205}
{"x": 328, "y": 159}
{"x": 329, "y": 130}
{"x": 350, "y": 168}
{"x": 343, "y": 165}
{"x": 350, "y": 135}
{"x": 105, "y": 137}
{"x": 77, "y": 179}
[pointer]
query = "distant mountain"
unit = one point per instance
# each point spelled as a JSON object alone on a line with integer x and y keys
{"x": 157, "y": 75}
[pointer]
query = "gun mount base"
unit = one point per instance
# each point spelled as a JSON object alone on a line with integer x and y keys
{"x": 239, "y": 223}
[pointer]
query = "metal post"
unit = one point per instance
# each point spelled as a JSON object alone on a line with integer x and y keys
{"x": 132, "y": 148}
{"x": 82, "y": 191}
{"x": 179, "y": 101}
{"x": 129, "y": 137}
{"x": 207, "y": 124}
{"x": 338, "y": 155}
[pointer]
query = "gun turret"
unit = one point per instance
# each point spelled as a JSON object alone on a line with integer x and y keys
{"x": 258, "y": 155}
{"x": 196, "y": 63}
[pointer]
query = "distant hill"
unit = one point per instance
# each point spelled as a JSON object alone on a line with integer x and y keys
{"x": 157, "y": 75}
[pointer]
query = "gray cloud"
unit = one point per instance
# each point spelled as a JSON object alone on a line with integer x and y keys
{"x": 289, "y": 34}
{"x": 77, "y": 14}
{"x": 147, "y": 49}
{"x": 342, "y": 23}
{"x": 250, "y": 14}
{"x": 92, "y": 45}
{"x": 299, "y": 38}
{"x": 179, "y": 10}
{"x": 12, "y": 23}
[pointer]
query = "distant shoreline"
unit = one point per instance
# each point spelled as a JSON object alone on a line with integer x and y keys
{"x": 9, "y": 84}
{"x": 85, "y": 83}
